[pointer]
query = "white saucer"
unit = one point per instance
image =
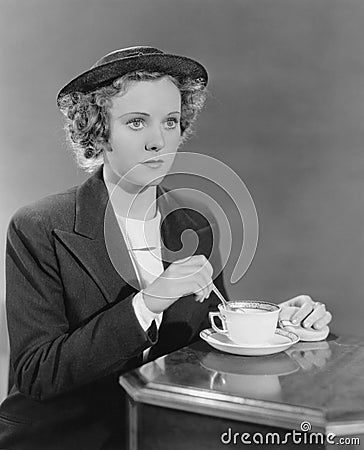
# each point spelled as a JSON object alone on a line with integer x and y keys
{"x": 280, "y": 342}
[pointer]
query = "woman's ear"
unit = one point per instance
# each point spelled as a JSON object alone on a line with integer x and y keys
{"x": 105, "y": 156}
{"x": 107, "y": 147}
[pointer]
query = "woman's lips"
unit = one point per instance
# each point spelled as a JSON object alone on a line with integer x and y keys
{"x": 153, "y": 163}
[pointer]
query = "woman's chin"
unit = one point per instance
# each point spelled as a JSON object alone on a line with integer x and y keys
{"x": 157, "y": 181}
{"x": 151, "y": 179}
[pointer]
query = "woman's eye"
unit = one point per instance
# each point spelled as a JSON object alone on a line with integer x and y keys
{"x": 171, "y": 123}
{"x": 136, "y": 124}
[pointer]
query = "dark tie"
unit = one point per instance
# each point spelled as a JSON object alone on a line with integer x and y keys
{"x": 152, "y": 331}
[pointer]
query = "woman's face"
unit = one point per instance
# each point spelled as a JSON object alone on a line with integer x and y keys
{"x": 144, "y": 124}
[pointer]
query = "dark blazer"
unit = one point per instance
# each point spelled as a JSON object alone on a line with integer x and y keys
{"x": 72, "y": 326}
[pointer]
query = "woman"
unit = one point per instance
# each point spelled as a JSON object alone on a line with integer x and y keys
{"x": 81, "y": 311}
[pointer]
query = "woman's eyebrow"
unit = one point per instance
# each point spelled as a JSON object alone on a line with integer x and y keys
{"x": 135, "y": 112}
{"x": 146, "y": 114}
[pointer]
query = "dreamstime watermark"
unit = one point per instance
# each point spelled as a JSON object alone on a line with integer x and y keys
{"x": 203, "y": 168}
{"x": 305, "y": 436}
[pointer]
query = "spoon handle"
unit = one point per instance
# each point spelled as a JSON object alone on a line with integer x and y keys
{"x": 221, "y": 297}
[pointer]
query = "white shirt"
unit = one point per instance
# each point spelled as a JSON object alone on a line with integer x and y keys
{"x": 143, "y": 241}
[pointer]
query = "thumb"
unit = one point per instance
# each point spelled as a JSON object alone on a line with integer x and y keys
{"x": 287, "y": 312}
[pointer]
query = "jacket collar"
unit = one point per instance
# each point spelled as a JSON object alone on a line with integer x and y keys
{"x": 92, "y": 202}
{"x": 99, "y": 244}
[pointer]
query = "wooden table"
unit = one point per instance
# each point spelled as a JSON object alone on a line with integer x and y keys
{"x": 199, "y": 398}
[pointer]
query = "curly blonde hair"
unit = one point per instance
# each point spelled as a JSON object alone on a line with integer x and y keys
{"x": 87, "y": 115}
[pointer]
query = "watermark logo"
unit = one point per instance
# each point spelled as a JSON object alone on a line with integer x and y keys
{"x": 305, "y": 426}
{"x": 202, "y": 168}
{"x": 305, "y": 436}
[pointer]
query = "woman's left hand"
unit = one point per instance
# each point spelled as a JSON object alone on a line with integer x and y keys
{"x": 305, "y": 317}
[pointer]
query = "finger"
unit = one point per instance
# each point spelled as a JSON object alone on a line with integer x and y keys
{"x": 199, "y": 292}
{"x": 209, "y": 289}
{"x": 184, "y": 272}
{"x": 305, "y": 365}
{"x": 300, "y": 358}
{"x": 201, "y": 262}
{"x": 322, "y": 322}
{"x": 206, "y": 271}
{"x": 203, "y": 265}
{"x": 303, "y": 312}
{"x": 317, "y": 314}
{"x": 207, "y": 292}
{"x": 183, "y": 260}
{"x": 193, "y": 260}
{"x": 208, "y": 268}
{"x": 318, "y": 346}
{"x": 206, "y": 282}
{"x": 287, "y": 312}
{"x": 310, "y": 357}
{"x": 191, "y": 268}
{"x": 199, "y": 295}
{"x": 202, "y": 290}
{"x": 196, "y": 276}
{"x": 297, "y": 301}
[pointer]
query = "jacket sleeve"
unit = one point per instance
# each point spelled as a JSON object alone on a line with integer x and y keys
{"x": 47, "y": 357}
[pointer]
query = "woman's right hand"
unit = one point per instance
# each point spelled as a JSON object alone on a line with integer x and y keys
{"x": 192, "y": 275}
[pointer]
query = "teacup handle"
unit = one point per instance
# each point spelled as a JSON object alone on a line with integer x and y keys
{"x": 212, "y": 316}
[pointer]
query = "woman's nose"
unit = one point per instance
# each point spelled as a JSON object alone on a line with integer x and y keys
{"x": 156, "y": 141}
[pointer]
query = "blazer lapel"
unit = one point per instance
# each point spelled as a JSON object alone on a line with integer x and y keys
{"x": 98, "y": 244}
{"x": 107, "y": 261}
{"x": 177, "y": 325}
{"x": 180, "y": 233}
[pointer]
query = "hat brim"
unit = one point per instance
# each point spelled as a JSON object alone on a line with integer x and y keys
{"x": 179, "y": 67}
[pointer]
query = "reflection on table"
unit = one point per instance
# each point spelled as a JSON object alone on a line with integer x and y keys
{"x": 319, "y": 382}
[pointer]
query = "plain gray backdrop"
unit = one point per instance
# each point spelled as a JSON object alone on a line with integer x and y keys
{"x": 286, "y": 112}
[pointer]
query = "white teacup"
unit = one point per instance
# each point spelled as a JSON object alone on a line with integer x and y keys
{"x": 254, "y": 324}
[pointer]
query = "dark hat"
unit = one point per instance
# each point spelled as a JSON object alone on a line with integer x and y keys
{"x": 119, "y": 62}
